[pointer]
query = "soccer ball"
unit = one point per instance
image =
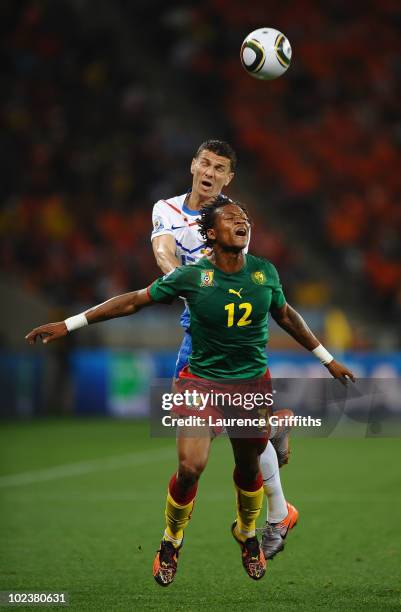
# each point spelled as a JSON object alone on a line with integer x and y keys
{"x": 266, "y": 54}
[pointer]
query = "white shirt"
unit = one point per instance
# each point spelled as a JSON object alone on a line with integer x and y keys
{"x": 173, "y": 217}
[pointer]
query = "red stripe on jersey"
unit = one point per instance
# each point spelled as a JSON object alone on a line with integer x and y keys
{"x": 177, "y": 210}
{"x": 173, "y": 207}
{"x": 148, "y": 292}
{"x": 186, "y": 373}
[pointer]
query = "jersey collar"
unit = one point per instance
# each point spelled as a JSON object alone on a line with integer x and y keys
{"x": 244, "y": 267}
{"x": 188, "y": 211}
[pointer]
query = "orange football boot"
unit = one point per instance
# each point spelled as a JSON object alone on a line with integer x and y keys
{"x": 274, "y": 534}
{"x": 165, "y": 563}
{"x": 253, "y": 559}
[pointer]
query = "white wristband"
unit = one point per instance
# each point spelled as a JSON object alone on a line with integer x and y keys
{"x": 76, "y": 322}
{"x": 321, "y": 353}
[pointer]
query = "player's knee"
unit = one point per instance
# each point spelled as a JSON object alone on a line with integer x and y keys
{"x": 189, "y": 471}
{"x": 248, "y": 472}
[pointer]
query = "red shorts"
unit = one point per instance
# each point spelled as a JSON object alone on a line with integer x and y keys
{"x": 242, "y": 407}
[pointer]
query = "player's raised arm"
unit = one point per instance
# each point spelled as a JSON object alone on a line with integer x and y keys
{"x": 119, "y": 306}
{"x": 291, "y": 321}
{"x": 164, "y": 247}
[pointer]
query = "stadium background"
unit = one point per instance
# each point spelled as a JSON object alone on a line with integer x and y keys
{"x": 102, "y": 108}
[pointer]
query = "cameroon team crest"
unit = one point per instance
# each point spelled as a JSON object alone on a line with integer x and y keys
{"x": 207, "y": 277}
{"x": 259, "y": 277}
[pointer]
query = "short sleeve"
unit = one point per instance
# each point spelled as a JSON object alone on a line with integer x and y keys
{"x": 278, "y": 297}
{"x": 161, "y": 220}
{"x": 170, "y": 286}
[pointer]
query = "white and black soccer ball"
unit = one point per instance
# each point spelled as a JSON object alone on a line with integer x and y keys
{"x": 266, "y": 54}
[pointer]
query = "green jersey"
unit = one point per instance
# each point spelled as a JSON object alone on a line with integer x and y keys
{"x": 229, "y": 314}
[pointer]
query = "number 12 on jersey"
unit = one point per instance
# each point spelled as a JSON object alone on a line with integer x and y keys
{"x": 231, "y": 314}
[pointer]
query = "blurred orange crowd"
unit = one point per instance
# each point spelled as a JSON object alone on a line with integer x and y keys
{"x": 88, "y": 148}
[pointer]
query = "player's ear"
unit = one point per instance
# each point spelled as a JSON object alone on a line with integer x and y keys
{"x": 211, "y": 234}
{"x": 229, "y": 179}
{"x": 193, "y": 162}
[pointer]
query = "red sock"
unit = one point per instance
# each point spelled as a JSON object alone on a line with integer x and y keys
{"x": 179, "y": 495}
{"x": 245, "y": 484}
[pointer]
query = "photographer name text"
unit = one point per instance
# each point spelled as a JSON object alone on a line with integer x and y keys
{"x": 211, "y": 421}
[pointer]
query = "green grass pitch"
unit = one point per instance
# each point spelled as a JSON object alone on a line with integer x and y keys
{"x": 82, "y": 511}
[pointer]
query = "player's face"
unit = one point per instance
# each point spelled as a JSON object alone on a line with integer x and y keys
{"x": 211, "y": 173}
{"x": 231, "y": 227}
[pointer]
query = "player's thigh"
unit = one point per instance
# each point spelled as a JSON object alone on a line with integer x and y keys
{"x": 193, "y": 447}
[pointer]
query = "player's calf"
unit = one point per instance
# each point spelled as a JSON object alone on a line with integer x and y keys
{"x": 281, "y": 438}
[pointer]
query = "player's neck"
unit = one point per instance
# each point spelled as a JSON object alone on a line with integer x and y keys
{"x": 194, "y": 201}
{"x": 227, "y": 261}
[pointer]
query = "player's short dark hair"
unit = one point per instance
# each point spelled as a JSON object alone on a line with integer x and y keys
{"x": 219, "y": 147}
{"x": 208, "y": 215}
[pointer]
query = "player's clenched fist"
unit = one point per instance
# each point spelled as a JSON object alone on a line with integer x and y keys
{"x": 47, "y": 333}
